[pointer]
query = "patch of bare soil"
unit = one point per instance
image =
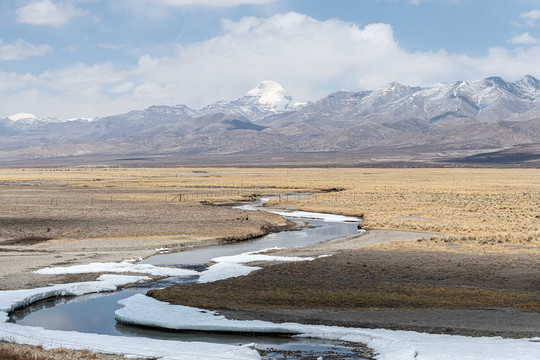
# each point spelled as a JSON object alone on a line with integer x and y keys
{"x": 36, "y": 232}
{"x": 27, "y": 225}
{"x": 380, "y": 281}
{"x": 25, "y": 240}
{"x": 371, "y": 279}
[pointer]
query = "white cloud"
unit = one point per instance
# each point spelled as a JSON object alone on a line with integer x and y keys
{"x": 21, "y": 49}
{"x": 506, "y": 63}
{"x": 47, "y": 12}
{"x": 311, "y": 58}
{"x": 530, "y": 17}
{"x": 212, "y": 3}
{"x": 523, "y": 39}
{"x": 122, "y": 88}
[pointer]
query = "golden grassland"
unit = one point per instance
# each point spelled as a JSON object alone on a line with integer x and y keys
{"x": 480, "y": 212}
{"x": 490, "y": 206}
{"x": 480, "y": 205}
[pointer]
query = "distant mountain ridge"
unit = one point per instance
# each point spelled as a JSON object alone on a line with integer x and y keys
{"x": 466, "y": 117}
{"x": 491, "y": 99}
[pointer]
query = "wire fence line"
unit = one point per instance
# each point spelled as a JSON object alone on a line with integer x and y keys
{"x": 190, "y": 194}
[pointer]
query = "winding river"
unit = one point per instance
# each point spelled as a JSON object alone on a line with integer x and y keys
{"x": 94, "y": 313}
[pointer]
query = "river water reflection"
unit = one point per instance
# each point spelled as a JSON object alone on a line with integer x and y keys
{"x": 318, "y": 231}
{"x": 94, "y": 313}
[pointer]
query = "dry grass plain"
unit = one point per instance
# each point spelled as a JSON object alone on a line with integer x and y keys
{"x": 58, "y": 217}
{"x": 39, "y": 205}
{"x": 496, "y": 206}
{"x": 488, "y": 219}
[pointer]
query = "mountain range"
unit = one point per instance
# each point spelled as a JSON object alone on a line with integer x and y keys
{"x": 447, "y": 123}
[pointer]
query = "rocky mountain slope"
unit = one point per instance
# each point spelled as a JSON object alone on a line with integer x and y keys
{"x": 456, "y": 119}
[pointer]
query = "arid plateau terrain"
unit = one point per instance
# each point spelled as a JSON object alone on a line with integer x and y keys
{"x": 452, "y": 251}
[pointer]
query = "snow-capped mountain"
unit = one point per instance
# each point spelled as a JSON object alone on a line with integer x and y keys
{"x": 465, "y": 117}
{"x": 487, "y": 100}
{"x": 22, "y": 116}
{"x": 24, "y": 123}
{"x": 267, "y": 98}
{"x": 27, "y": 118}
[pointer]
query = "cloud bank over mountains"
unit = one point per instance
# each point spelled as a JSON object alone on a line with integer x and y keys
{"x": 310, "y": 57}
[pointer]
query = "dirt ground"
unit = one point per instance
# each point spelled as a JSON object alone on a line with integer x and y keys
{"x": 36, "y": 235}
{"x": 436, "y": 291}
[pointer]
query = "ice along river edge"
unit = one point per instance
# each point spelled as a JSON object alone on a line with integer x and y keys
{"x": 9, "y": 300}
{"x": 388, "y": 344}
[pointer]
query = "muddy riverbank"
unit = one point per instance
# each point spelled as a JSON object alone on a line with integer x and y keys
{"x": 359, "y": 286}
{"x": 32, "y": 238}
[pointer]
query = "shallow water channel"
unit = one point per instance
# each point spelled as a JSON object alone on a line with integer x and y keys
{"x": 94, "y": 313}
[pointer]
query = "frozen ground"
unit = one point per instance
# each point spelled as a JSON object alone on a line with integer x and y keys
{"x": 390, "y": 345}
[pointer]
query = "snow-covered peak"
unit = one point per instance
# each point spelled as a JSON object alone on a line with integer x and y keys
{"x": 270, "y": 93}
{"x": 267, "y": 98}
{"x": 496, "y": 82}
{"x": 27, "y": 119}
{"x": 22, "y": 116}
{"x": 529, "y": 83}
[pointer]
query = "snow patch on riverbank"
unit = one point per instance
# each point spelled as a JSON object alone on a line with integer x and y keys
{"x": 143, "y": 310}
{"x": 129, "y": 346}
{"x": 13, "y": 299}
{"x": 312, "y": 215}
{"x": 233, "y": 266}
{"x": 300, "y": 214}
{"x": 123, "y": 267}
{"x": 390, "y": 345}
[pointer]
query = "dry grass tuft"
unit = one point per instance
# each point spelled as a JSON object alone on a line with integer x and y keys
{"x": 9, "y": 353}
{"x": 13, "y": 351}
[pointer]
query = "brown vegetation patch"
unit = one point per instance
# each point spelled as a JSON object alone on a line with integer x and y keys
{"x": 11, "y": 351}
{"x": 373, "y": 279}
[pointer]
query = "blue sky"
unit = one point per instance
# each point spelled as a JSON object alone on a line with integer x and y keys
{"x": 87, "y": 58}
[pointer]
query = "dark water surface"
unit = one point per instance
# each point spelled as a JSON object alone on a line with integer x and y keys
{"x": 318, "y": 232}
{"x": 94, "y": 313}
